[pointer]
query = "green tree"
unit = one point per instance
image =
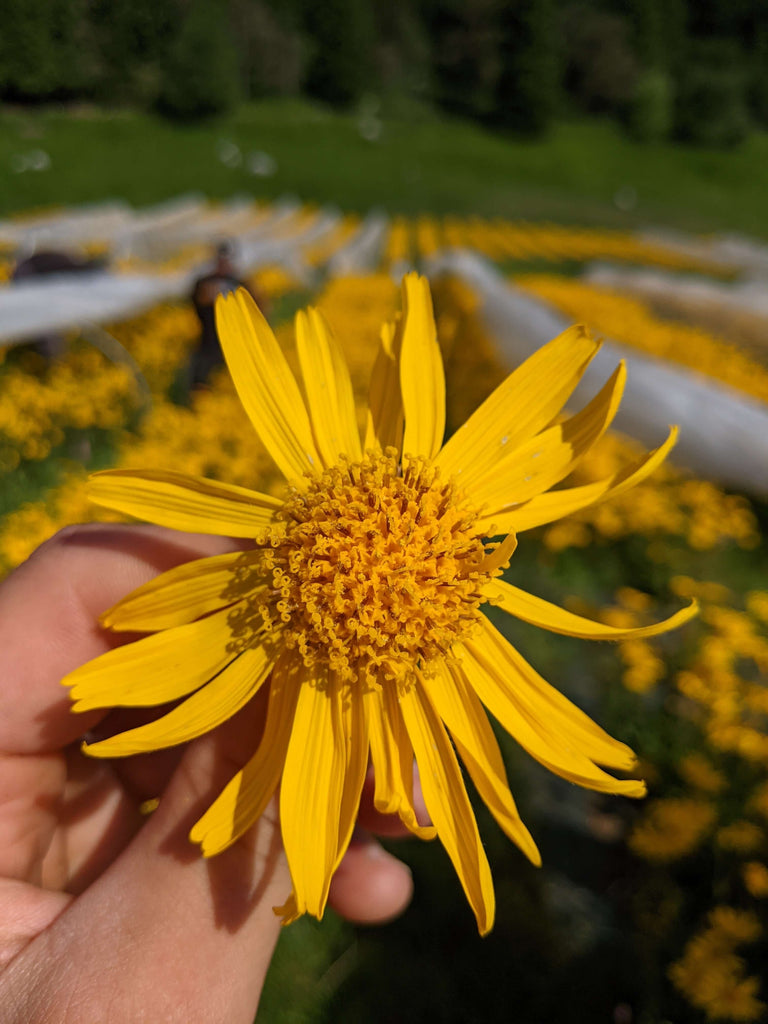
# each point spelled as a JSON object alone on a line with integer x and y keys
{"x": 134, "y": 37}
{"x": 528, "y": 85}
{"x": 272, "y": 49}
{"x": 601, "y": 69}
{"x": 43, "y": 51}
{"x": 758, "y": 84}
{"x": 650, "y": 113}
{"x": 465, "y": 54}
{"x": 402, "y": 52}
{"x": 341, "y": 33}
{"x": 711, "y": 105}
{"x": 200, "y": 76}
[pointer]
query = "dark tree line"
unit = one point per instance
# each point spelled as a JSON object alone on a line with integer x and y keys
{"x": 693, "y": 69}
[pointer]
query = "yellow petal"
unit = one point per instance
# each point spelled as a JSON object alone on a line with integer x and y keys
{"x": 328, "y": 387}
{"x": 541, "y": 701}
{"x": 203, "y": 711}
{"x": 473, "y": 736}
{"x": 422, "y": 380}
{"x": 526, "y": 402}
{"x": 546, "y": 508}
{"x": 184, "y": 502}
{"x": 186, "y": 593}
{"x": 245, "y": 798}
{"x": 448, "y": 803}
{"x": 548, "y": 458}
{"x": 265, "y": 384}
{"x": 354, "y": 716}
{"x": 155, "y": 669}
{"x": 312, "y": 787}
{"x": 392, "y": 757}
{"x": 491, "y": 676}
{"x": 384, "y": 428}
{"x": 549, "y": 616}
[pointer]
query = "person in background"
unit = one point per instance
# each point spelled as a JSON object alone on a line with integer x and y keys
{"x": 219, "y": 281}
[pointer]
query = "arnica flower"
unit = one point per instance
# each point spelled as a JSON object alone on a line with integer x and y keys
{"x": 358, "y": 602}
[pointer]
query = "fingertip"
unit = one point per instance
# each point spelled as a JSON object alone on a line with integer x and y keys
{"x": 370, "y": 886}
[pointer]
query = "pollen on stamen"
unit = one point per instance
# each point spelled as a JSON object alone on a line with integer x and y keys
{"x": 379, "y": 568}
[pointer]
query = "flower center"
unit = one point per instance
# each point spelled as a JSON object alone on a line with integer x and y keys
{"x": 379, "y": 569}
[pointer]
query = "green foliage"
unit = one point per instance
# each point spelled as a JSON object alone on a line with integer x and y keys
{"x": 528, "y": 86}
{"x": 648, "y": 30}
{"x": 514, "y": 65}
{"x": 711, "y": 103}
{"x": 658, "y": 33}
{"x": 465, "y": 54}
{"x": 601, "y": 69}
{"x": 273, "y": 52}
{"x": 132, "y": 39}
{"x": 342, "y": 39}
{"x": 42, "y": 56}
{"x": 402, "y": 52}
{"x": 650, "y": 114}
{"x": 200, "y": 76}
{"x": 758, "y": 93}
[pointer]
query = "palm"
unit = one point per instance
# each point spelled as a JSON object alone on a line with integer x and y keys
{"x": 64, "y": 818}
{"x": 91, "y": 811}
{"x": 106, "y": 914}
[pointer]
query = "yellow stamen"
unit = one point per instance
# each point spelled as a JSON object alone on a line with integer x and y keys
{"x": 379, "y": 568}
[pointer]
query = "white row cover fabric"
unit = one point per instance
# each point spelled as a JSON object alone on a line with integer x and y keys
{"x": 61, "y": 302}
{"x": 87, "y": 223}
{"x": 362, "y": 253}
{"x": 723, "y": 433}
{"x": 35, "y": 307}
{"x": 732, "y": 250}
{"x": 748, "y": 296}
{"x": 114, "y": 224}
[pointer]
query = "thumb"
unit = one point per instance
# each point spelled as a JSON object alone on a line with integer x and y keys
{"x": 163, "y": 934}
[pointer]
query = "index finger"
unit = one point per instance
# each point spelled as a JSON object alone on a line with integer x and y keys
{"x": 49, "y": 610}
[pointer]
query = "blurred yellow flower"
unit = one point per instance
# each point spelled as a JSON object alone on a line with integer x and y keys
{"x": 672, "y": 828}
{"x": 758, "y": 801}
{"x": 755, "y": 877}
{"x": 740, "y": 836}
{"x": 735, "y": 925}
{"x": 358, "y": 606}
{"x": 757, "y": 604}
{"x": 701, "y": 774}
{"x": 712, "y": 976}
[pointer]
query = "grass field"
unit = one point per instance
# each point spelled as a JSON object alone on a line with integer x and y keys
{"x": 418, "y": 164}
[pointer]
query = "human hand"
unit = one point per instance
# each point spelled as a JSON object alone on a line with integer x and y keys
{"x": 107, "y": 915}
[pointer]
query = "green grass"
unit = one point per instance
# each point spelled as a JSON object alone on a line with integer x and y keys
{"x": 421, "y": 163}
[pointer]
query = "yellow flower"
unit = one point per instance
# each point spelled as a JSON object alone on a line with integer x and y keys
{"x": 755, "y": 875}
{"x": 758, "y": 800}
{"x": 757, "y": 603}
{"x": 741, "y": 836}
{"x": 671, "y": 828}
{"x": 737, "y": 1001}
{"x": 711, "y": 975}
{"x": 735, "y": 925}
{"x": 701, "y": 773}
{"x": 358, "y": 605}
